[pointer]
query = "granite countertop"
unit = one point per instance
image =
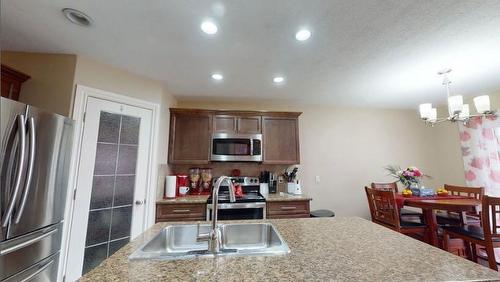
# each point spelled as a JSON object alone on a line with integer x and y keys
{"x": 322, "y": 249}
{"x": 191, "y": 199}
{"x": 278, "y": 197}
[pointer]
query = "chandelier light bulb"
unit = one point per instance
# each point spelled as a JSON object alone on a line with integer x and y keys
{"x": 425, "y": 110}
{"x": 455, "y": 104}
{"x": 482, "y": 104}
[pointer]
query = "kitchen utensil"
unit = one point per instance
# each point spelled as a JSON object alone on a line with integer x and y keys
{"x": 194, "y": 180}
{"x": 298, "y": 188}
{"x": 238, "y": 191}
{"x": 206, "y": 180}
{"x": 182, "y": 185}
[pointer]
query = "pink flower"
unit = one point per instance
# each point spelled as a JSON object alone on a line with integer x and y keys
{"x": 495, "y": 176}
{"x": 477, "y": 163}
{"x": 470, "y": 175}
{"x": 464, "y": 136}
{"x": 488, "y": 133}
{"x": 418, "y": 173}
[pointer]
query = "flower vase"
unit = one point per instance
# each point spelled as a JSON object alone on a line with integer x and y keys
{"x": 415, "y": 188}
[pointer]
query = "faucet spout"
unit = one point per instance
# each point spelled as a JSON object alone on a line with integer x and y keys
{"x": 214, "y": 238}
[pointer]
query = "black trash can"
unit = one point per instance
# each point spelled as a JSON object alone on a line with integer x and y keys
{"x": 322, "y": 213}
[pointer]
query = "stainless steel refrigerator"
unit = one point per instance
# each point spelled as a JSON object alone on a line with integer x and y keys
{"x": 35, "y": 158}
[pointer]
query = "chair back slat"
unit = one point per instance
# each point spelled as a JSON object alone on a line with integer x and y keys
{"x": 473, "y": 192}
{"x": 491, "y": 217}
{"x": 384, "y": 186}
{"x": 383, "y": 207}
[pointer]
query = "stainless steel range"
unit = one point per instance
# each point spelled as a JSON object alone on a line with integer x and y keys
{"x": 252, "y": 205}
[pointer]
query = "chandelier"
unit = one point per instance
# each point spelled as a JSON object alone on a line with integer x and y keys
{"x": 457, "y": 110}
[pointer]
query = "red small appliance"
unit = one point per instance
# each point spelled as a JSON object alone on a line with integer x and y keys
{"x": 182, "y": 188}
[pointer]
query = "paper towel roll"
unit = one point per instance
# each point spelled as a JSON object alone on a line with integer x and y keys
{"x": 264, "y": 188}
{"x": 170, "y": 184}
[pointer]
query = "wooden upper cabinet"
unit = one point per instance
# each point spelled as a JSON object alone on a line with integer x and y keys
{"x": 249, "y": 124}
{"x": 190, "y": 136}
{"x": 225, "y": 124}
{"x": 281, "y": 140}
{"x": 11, "y": 82}
{"x": 237, "y": 124}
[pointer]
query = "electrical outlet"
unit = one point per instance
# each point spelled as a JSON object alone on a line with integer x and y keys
{"x": 318, "y": 180}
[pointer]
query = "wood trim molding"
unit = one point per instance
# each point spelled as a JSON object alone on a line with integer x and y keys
{"x": 19, "y": 76}
{"x": 234, "y": 112}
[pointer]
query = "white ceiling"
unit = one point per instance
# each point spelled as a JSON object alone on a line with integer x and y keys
{"x": 379, "y": 53}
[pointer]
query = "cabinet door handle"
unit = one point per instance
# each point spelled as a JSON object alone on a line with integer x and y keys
{"x": 288, "y": 208}
{"x": 179, "y": 211}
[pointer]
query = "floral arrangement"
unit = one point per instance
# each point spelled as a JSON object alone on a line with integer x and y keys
{"x": 408, "y": 177}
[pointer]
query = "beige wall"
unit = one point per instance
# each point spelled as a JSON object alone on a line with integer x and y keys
{"x": 348, "y": 148}
{"x": 51, "y": 84}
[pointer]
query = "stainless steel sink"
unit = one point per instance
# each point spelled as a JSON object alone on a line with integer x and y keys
{"x": 179, "y": 242}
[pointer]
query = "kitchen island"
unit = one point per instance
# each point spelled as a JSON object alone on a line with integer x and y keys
{"x": 322, "y": 249}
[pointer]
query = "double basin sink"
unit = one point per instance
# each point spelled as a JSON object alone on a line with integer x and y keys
{"x": 180, "y": 242}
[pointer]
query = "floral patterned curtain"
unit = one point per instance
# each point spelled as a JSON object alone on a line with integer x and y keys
{"x": 480, "y": 141}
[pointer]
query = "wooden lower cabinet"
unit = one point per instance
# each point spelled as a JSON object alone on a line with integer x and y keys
{"x": 288, "y": 209}
{"x": 180, "y": 212}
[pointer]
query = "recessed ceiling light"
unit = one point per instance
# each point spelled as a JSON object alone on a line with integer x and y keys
{"x": 209, "y": 27}
{"x": 278, "y": 79}
{"x": 303, "y": 35}
{"x": 217, "y": 76}
{"x": 77, "y": 17}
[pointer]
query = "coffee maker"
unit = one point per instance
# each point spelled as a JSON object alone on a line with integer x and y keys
{"x": 271, "y": 179}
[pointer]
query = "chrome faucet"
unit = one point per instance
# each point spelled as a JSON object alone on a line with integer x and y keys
{"x": 214, "y": 235}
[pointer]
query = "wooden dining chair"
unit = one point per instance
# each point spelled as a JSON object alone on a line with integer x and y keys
{"x": 384, "y": 211}
{"x": 405, "y": 213}
{"x": 488, "y": 235}
{"x": 457, "y": 219}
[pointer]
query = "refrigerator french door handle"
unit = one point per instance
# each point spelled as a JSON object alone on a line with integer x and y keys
{"x": 29, "y": 173}
{"x": 20, "y": 164}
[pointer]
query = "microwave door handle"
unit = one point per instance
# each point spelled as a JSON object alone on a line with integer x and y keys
{"x": 251, "y": 147}
{"x": 29, "y": 173}
{"x": 20, "y": 164}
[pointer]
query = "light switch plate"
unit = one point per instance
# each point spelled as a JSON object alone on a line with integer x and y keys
{"x": 318, "y": 180}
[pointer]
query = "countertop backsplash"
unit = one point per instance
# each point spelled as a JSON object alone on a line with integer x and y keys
{"x": 219, "y": 168}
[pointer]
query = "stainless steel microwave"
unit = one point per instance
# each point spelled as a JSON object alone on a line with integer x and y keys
{"x": 228, "y": 147}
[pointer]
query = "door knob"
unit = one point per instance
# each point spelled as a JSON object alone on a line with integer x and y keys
{"x": 139, "y": 202}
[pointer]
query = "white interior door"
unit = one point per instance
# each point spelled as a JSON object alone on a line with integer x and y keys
{"x": 111, "y": 183}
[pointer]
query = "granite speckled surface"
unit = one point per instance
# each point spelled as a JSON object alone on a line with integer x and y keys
{"x": 278, "y": 197}
{"x": 322, "y": 249}
{"x": 191, "y": 199}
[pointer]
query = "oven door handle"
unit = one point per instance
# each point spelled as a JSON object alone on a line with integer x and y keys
{"x": 227, "y": 206}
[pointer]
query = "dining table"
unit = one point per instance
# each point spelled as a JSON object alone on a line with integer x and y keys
{"x": 430, "y": 204}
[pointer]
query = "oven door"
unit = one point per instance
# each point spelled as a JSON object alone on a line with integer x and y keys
{"x": 236, "y": 147}
{"x": 236, "y": 211}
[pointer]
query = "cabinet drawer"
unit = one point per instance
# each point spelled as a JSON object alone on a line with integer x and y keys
{"x": 180, "y": 212}
{"x": 288, "y": 208}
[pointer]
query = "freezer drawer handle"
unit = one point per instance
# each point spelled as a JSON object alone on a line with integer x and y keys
{"x": 22, "y": 148}
{"x": 27, "y": 243}
{"x": 40, "y": 269}
{"x": 29, "y": 174}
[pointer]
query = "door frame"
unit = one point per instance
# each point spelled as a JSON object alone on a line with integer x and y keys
{"x": 82, "y": 93}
